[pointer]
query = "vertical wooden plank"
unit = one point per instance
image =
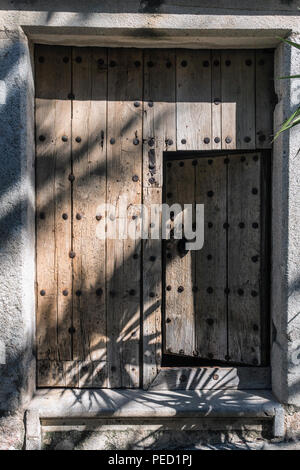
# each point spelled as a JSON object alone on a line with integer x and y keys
{"x": 210, "y": 298}
{"x": 45, "y": 209}
{"x": 159, "y": 123}
{"x": 89, "y": 191}
{"x": 264, "y": 98}
{"x": 50, "y": 373}
{"x": 99, "y": 373}
{"x": 85, "y": 371}
{"x": 179, "y": 268}
{"x": 159, "y": 135}
{"x": 152, "y": 286}
{"x": 53, "y": 202}
{"x": 42, "y": 373}
{"x": 216, "y": 93}
{"x": 193, "y": 99}
{"x": 61, "y": 374}
{"x": 124, "y": 173}
{"x": 238, "y": 99}
{"x": 244, "y": 257}
{"x": 70, "y": 370}
{"x": 92, "y": 374}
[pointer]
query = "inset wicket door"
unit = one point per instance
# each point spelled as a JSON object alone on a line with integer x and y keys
{"x": 214, "y": 297}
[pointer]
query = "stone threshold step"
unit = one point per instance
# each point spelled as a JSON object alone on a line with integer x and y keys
{"x": 125, "y": 403}
{"x": 95, "y": 403}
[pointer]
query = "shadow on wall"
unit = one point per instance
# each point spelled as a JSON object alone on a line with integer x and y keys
{"x": 15, "y": 202}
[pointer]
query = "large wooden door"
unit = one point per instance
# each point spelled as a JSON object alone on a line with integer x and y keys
{"x": 105, "y": 121}
{"x": 213, "y": 296}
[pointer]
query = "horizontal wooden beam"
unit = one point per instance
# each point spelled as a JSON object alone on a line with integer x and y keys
{"x": 212, "y": 378}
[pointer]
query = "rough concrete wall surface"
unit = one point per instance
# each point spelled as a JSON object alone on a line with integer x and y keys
{"x": 285, "y": 235}
{"x": 190, "y": 23}
{"x": 16, "y": 224}
{"x": 161, "y": 21}
{"x": 16, "y": 238}
{"x": 12, "y": 430}
{"x": 293, "y": 242}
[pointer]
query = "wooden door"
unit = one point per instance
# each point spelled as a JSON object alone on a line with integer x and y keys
{"x": 213, "y": 296}
{"x": 106, "y": 120}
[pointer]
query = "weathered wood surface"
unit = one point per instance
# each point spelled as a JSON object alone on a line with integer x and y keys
{"x": 124, "y": 174}
{"x": 152, "y": 286}
{"x": 89, "y": 191}
{"x": 193, "y": 94}
{"x": 159, "y": 117}
{"x": 149, "y": 103}
{"x": 216, "y": 101}
{"x": 244, "y": 255}
{"x": 53, "y": 199}
{"x": 159, "y": 135}
{"x": 212, "y": 378}
{"x": 74, "y": 374}
{"x": 77, "y": 374}
{"x": 210, "y": 298}
{"x": 238, "y": 103}
{"x": 265, "y": 96}
{"x": 179, "y": 267}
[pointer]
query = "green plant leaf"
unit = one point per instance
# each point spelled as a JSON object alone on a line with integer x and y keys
{"x": 291, "y": 43}
{"x": 291, "y": 76}
{"x": 292, "y": 121}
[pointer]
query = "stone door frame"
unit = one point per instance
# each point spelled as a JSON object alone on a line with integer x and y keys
{"x": 285, "y": 362}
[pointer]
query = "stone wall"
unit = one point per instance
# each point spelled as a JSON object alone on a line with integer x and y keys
{"x": 16, "y": 221}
